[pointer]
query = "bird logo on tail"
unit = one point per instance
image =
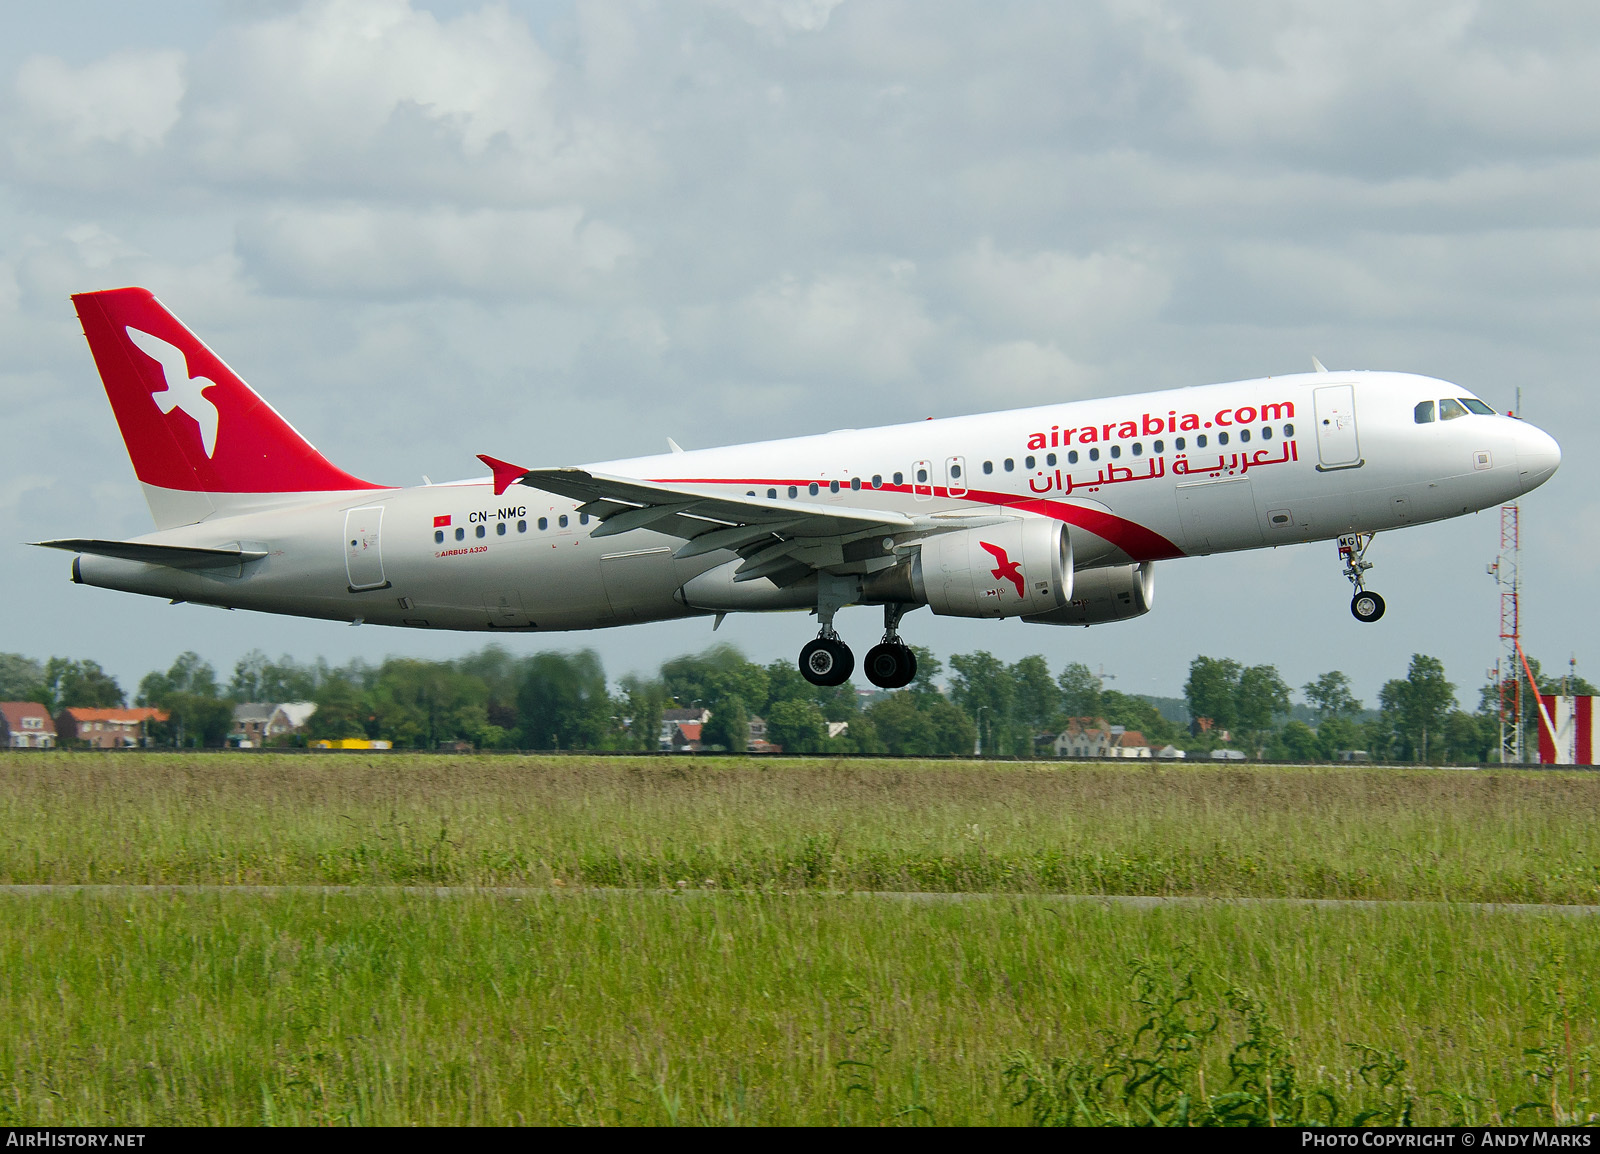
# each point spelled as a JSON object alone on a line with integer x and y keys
{"x": 1008, "y": 570}
{"x": 182, "y": 391}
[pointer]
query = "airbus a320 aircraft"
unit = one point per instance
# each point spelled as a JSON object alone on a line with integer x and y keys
{"x": 1055, "y": 514}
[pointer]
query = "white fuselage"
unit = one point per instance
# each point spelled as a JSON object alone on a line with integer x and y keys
{"x": 1184, "y": 472}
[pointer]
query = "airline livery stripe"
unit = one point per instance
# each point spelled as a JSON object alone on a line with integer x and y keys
{"x": 1138, "y": 542}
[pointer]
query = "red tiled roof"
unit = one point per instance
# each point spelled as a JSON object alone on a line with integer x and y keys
{"x": 15, "y": 711}
{"x": 142, "y": 713}
{"x": 690, "y": 730}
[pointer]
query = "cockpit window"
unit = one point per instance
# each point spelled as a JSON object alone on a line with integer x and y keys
{"x": 1476, "y": 406}
{"x": 1449, "y": 410}
{"x": 1424, "y": 413}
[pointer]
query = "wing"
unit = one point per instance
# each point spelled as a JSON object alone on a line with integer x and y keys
{"x": 784, "y": 541}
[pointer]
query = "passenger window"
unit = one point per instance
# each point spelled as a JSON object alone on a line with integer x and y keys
{"x": 1158, "y": 448}
{"x": 1288, "y": 430}
{"x": 955, "y": 470}
{"x": 794, "y": 492}
{"x": 1200, "y": 441}
{"x": 988, "y": 467}
{"x": 1477, "y": 406}
{"x": 1266, "y": 432}
{"x": 1137, "y": 448}
{"x": 1222, "y": 438}
{"x": 1072, "y": 457}
{"x": 877, "y": 480}
{"x": 544, "y": 522}
{"x": 438, "y": 536}
{"x": 855, "y": 482}
{"x": 479, "y": 531}
{"x": 1244, "y": 435}
{"x": 812, "y": 488}
{"x": 1449, "y": 410}
{"x": 922, "y": 476}
{"x": 1050, "y": 459}
{"x": 1116, "y": 451}
{"x": 562, "y": 520}
{"x": 1178, "y": 444}
{"x": 772, "y": 494}
{"x": 461, "y": 534}
{"x": 522, "y": 526}
{"x": 899, "y": 478}
{"x": 1010, "y": 464}
{"x": 1094, "y": 454}
{"x": 1027, "y": 462}
{"x": 500, "y": 529}
{"x": 583, "y": 518}
{"x": 833, "y": 486}
{"x": 1423, "y": 413}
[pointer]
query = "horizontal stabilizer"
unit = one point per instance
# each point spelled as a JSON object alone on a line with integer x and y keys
{"x": 172, "y": 556}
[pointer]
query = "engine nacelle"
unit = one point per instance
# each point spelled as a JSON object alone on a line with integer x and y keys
{"x": 1115, "y": 593}
{"x": 1015, "y": 569}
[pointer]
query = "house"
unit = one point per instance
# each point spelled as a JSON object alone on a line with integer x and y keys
{"x": 684, "y": 737}
{"x": 758, "y": 742}
{"x": 26, "y": 725}
{"x": 670, "y": 718}
{"x": 1171, "y": 752}
{"x": 1084, "y": 738}
{"x": 107, "y": 728}
{"x": 256, "y": 723}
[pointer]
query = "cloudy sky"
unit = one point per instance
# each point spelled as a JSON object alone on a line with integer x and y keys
{"x": 559, "y": 232}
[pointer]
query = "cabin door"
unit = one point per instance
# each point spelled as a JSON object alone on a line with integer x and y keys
{"x": 1338, "y": 446}
{"x": 363, "y": 552}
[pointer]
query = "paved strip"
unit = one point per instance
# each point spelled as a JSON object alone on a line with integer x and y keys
{"x": 1128, "y": 901}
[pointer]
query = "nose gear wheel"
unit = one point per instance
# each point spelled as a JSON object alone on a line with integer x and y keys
{"x": 1365, "y": 606}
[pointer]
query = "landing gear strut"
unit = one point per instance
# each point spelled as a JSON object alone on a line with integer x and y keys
{"x": 1365, "y": 605}
{"x": 890, "y": 664}
{"x": 827, "y": 660}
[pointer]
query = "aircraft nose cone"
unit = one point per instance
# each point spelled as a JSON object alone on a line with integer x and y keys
{"x": 1538, "y": 457}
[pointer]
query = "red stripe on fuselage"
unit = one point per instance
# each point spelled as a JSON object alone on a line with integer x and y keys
{"x": 1132, "y": 538}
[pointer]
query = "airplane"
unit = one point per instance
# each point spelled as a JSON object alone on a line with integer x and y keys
{"x": 1056, "y": 514}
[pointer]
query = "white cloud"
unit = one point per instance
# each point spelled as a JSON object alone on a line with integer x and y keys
{"x": 401, "y": 252}
{"x": 1017, "y": 373}
{"x": 128, "y": 98}
{"x": 865, "y": 326}
{"x": 781, "y": 15}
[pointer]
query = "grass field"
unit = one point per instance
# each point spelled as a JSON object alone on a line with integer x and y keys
{"x": 761, "y": 989}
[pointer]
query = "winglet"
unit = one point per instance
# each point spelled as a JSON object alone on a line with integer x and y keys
{"x": 505, "y": 473}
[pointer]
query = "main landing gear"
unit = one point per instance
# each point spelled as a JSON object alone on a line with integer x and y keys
{"x": 890, "y": 664}
{"x": 1365, "y": 605}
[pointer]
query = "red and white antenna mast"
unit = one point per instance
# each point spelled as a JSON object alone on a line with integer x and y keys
{"x": 1508, "y": 668}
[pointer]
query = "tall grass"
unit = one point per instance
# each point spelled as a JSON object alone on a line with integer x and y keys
{"x": 770, "y": 826}
{"x": 235, "y": 1008}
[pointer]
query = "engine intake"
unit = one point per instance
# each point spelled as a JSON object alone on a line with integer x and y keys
{"x": 1115, "y": 593}
{"x": 1020, "y": 568}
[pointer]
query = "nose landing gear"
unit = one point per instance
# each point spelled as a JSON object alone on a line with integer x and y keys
{"x": 890, "y": 664}
{"x": 1366, "y": 606}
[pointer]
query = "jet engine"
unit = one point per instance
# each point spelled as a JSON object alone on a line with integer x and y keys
{"x": 1115, "y": 593}
{"x": 1019, "y": 568}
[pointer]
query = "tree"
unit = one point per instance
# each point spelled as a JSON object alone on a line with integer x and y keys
{"x": 1213, "y": 690}
{"x": 1336, "y": 735}
{"x": 340, "y": 711}
{"x": 1080, "y": 692}
{"x": 19, "y": 676}
{"x": 1261, "y": 696}
{"x": 256, "y": 678}
{"x": 563, "y": 701}
{"x": 1037, "y": 702}
{"x": 797, "y": 726}
{"x": 188, "y": 693}
{"x": 1297, "y": 742}
{"x": 710, "y": 678}
{"x": 909, "y": 724}
{"x": 729, "y": 726}
{"x": 1136, "y": 713}
{"x": 644, "y": 701}
{"x": 985, "y": 691}
{"x": 68, "y": 683}
{"x": 1331, "y": 696}
{"x": 1417, "y": 706}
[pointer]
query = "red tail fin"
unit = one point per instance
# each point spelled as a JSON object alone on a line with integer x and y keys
{"x": 189, "y": 422}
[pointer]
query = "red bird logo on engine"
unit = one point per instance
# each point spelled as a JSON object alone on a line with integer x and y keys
{"x": 1008, "y": 570}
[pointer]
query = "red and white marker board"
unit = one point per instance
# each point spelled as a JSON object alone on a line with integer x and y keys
{"x": 1573, "y": 741}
